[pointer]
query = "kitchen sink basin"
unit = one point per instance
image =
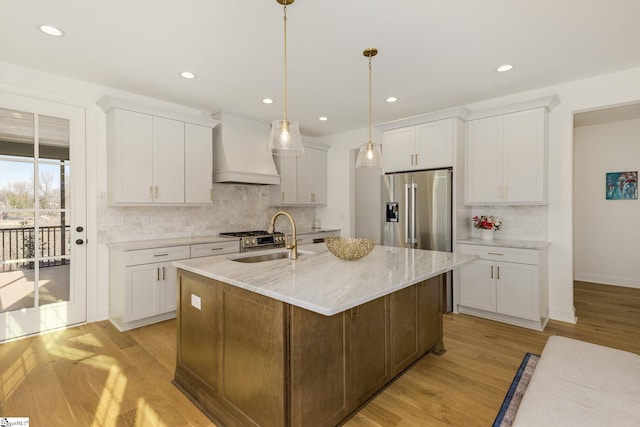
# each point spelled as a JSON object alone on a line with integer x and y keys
{"x": 266, "y": 257}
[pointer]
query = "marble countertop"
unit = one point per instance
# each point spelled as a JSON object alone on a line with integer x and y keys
{"x": 163, "y": 243}
{"x": 320, "y": 282}
{"x": 179, "y": 241}
{"x": 505, "y": 243}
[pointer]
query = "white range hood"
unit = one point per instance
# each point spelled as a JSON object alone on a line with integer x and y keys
{"x": 240, "y": 151}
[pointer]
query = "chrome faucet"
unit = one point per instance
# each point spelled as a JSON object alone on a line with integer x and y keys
{"x": 293, "y": 247}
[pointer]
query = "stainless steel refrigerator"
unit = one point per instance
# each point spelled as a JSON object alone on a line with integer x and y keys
{"x": 417, "y": 214}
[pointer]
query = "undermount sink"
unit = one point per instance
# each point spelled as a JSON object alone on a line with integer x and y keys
{"x": 267, "y": 257}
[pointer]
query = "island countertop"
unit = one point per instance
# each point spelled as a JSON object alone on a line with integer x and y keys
{"x": 320, "y": 282}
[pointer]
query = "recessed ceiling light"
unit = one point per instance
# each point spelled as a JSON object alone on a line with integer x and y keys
{"x": 323, "y": 118}
{"x": 52, "y": 31}
{"x": 267, "y": 101}
{"x": 187, "y": 75}
{"x": 391, "y": 99}
{"x": 505, "y": 67}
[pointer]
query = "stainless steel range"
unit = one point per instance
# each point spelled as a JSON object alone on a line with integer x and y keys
{"x": 257, "y": 240}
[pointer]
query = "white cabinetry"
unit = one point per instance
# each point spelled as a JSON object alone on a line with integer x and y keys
{"x": 157, "y": 157}
{"x": 507, "y": 158}
{"x": 303, "y": 179}
{"x": 505, "y": 284}
{"x": 142, "y": 288}
{"x": 142, "y": 282}
{"x": 423, "y": 146}
{"x": 198, "y": 165}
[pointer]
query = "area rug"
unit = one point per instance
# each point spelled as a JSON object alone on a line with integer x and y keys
{"x": 518, "y": 386}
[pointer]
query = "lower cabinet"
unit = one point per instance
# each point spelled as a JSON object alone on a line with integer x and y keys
{"x": 247, "y": 359}
{"x": 505, "y": 284}
{"x": 143, "y": 283}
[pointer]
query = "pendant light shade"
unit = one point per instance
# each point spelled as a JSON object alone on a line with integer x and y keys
{"x": 285, "y": 138}
{"x": 285, "y": 135}
{"x": 370, "y": 154}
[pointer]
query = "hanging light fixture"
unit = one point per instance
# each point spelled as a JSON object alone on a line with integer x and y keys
{"x": 370, "y": 155}
{"x": 285, "y": 135}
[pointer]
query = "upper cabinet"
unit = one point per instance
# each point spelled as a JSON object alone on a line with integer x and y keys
{"x": 423, "y": 146}
{"x": 507, "y": 158}
{"x": 157, "y": 157}
{"x": 303, "y": 179}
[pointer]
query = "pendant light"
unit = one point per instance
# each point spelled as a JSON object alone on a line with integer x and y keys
{"x": 285, "y": 135}
{"x": 370, "y": 155}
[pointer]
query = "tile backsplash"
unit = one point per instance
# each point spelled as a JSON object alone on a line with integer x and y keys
{"x": 518, "y": 222}
{"x": 235, "y": 207}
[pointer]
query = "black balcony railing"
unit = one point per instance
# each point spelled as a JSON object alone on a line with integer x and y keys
{"x": 20, "y": 244}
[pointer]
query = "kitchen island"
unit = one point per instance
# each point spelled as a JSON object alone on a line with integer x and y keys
{"x": 304, "y": 342}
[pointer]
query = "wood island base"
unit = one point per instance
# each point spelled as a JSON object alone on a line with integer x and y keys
{"x": 249, "y": 360}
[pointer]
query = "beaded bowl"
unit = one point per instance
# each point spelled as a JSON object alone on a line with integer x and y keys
{"x": 349, "y": 248}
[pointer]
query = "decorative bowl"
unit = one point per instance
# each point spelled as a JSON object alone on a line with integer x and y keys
{"x": 349, "y": 248}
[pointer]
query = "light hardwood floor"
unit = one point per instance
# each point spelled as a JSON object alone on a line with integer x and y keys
{"x": 93, "y": 375}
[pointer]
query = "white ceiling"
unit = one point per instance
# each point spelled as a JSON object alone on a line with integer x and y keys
{"x": 432, "y": 54}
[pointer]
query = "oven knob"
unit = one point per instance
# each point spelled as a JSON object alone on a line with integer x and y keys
{"x": 254, "y": 241}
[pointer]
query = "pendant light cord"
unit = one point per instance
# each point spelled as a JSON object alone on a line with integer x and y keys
{"x": 370, "y": 107}
{"x": 285, "y": 61}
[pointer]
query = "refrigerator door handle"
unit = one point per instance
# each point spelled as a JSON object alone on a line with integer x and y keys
{"x": 407, "y": 208}
{"x": 414, "y": 203}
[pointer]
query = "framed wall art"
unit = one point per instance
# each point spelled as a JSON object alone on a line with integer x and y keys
{"x": 622, "y": 185}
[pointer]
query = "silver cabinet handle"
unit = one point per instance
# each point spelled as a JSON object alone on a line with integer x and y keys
{"x": 158, "y": 274}
{"x": 498, "y": 268}
{"x": 159, "y": 255}
{"x": 156, "y": 191}
{"x": 164, "y": 273}
{"x": 492, "y": 271}
{"x": 494, "y": 253}
{"x": 417, "y": 162}
{"x": 151, "y": 192}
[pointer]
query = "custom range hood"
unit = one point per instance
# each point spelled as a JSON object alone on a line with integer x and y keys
{"x": 240, "y": 151}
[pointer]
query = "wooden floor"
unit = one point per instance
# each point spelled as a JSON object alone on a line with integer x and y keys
{"x": 93, "y": 375}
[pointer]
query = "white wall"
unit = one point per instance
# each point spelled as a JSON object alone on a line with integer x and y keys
{"x": 606, "y": 232}
{"x": 577, "y": 96}
{"x": 340, "y": 209}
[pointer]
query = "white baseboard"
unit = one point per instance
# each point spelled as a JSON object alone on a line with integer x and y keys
{"x": 628, "y": 282}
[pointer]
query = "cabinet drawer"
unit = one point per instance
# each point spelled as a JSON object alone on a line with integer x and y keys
{"x": 215, "y": 248}
{"x": 147, "y": 256}
{"x": 497, "y": 253}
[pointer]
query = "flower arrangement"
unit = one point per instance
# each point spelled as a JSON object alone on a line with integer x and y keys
{"x": 484, "y": 222}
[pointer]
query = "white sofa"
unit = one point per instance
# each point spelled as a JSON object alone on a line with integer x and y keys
{"x": 581, "y": 384}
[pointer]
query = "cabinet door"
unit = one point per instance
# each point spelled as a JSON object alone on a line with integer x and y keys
{"x": 168, "y": 160}
{"x": 478, "y": 285}
{"x": 368, "y": 349}
{"x": 524, "y": 156}
{"x": 430, "y": 315}
{"x": 484, "y": 160}
{"x": 133, "y": 157}
{"x": 403, "y": 328}
{"x": 287, "y": 191}
{"x": 319, "y": 368}
{"x": 398, "y": 149}
{"x": 312, "y": 177}
{"x": 142, "y": 291}
{"x": 168, "y": 298}
{"x": 198, "y": 163}
{"x": 518, "y": 293}
{"x": 434, "y": 145}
